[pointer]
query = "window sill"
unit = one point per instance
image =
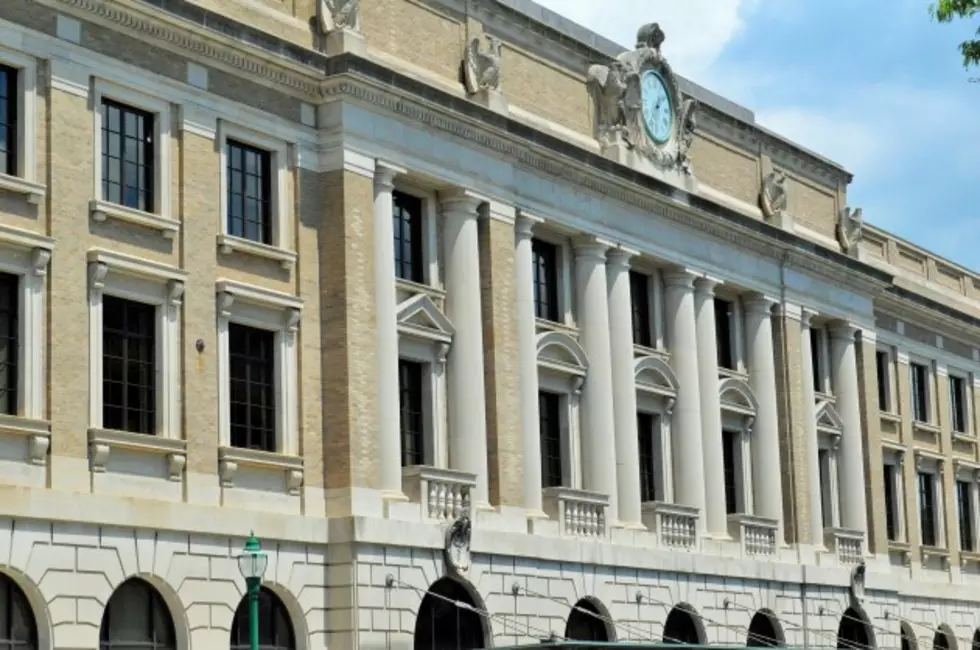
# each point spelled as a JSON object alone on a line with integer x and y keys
{"x": 231, "y": 458}
{"x": 902, "y": 549}
{"x": 410, "y": 289}
{"x": 934, "y": 552}
{"x": 34, "y": 192}
{"x": 37, "y": 433}
{"x": 728, "y": 373}
{"x": 104, "y": 210}
{"x": 103, "y": 441}
{"x": 545, "y": 325}
{"x": 926, "y": 427}
{"x": 888, "y": 416}
{"x": 969, "y": 557}
{"x": 228, "y": 244}
{"x": 968, "y": 438}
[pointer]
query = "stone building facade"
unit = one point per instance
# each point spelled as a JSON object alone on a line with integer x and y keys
{"x": 412, "y": 290}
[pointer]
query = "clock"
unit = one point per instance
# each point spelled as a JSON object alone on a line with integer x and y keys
{"x": 658, "y": 107}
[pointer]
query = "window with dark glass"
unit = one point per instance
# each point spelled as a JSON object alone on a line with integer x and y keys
{"x": 252, "y": 361}
{"x": 927, "y": 508}
{"x": 8, "y": 120}
{"x": 957, "y": 403}
{"x": 816, "y": 359}
{"x": 891, "y": 504}
{"x": 410, "y": 402}
{"x": 646, "y": 424}
{"x": 18, "y": 629}
{"x": 920, "y": 392}
{"x": 136, "y": 617}
{"x": 640, "y": 295}
{"x": 729, "y": 440}
{"x": 549, "y": 412}
{"x": 882, "y": 364}
{"x": 128, "y": 365}
{"x": 545, "y": 261}
{"x": 275, "y": 626}
{"x": 127, "y": 156}
{"x": 249, "y": 192}
{"x": 9, "y": 341}
{"x": 965, "y": 506}
{"x": 725, "y": 333}
{"x": 826, "y": 503}
{"x": 407, "y": 221}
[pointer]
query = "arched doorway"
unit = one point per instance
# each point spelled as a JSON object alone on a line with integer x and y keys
{"x": 976, "y": 640}
{"x": 136, "y": 616}
{"x": 853, "y": 632}
{"x": 943, "y": 639}
{"x": 18, "y": 629}
{"x": 443, "y": 625}
{"x": 763, "y": 631}
{"x": 275, "y": 627}
{"x": 908, "y": 637}
{"x": 585, "y": 623}
{"x": 682, "y": 626}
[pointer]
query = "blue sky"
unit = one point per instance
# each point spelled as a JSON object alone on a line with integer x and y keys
{"x": 875, "y": 85}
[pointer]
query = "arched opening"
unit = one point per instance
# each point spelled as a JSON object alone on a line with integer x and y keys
{"x": 853, "y": 632}
{"x": 443, "y": 625}
{"x": 136, "y": 616}
{"x": 682, "y": 626}
{"x": 763, "y": 631}
{"x": 275, "y": 628}
{"x": 18, "y": 629}
{"x": 908, "y": 637}
{"x": 585, "y": 623}
{"x": 943, "y": 639}
{"x": 976, "y": 640}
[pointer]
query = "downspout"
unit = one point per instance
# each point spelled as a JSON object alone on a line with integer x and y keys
{"x": 786, "y": 401}
{"x": 803, "y": 595}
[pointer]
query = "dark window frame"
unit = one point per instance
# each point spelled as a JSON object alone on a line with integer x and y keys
{"x": 157, "y": 614}
{"x": 891, "y": 502}
{"x": 412, "y": 412}
{"x": 927, "y": 509}
{"x": 9, "y": 343}
{"x": 549, "y": 430}
{"x": 145, "y": 151}
{"x": 964, "y": 507}
{"x": 920, "y": 391}
{"x": 19, "y": 617}
{"x": 883, "y": 369}
{"x": 649, "y": 457}
{"x": 246, "y": 161}
{"x": 408, "y": 222}
{"x": 725, "y": 333}
{"x": 10, "y": 94}
{"x": 958, "y": 395}
{"x": 545, "y": 258}
{"x": 817, "y": 359}
{"x": 253, "y": 411}
{"x": 640, "y": 308}
{"x": 730, "y": 459}
{"x": 129, "y": 365}
{"x": 276, "y": 630}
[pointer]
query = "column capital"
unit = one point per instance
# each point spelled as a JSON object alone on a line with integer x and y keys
{"x": 621, "y": 257}
{"x": 590, "y": 247}
{"x": 680, "y": 278}
{"x": 524, "y": 224}
{"x": 758, "y": 303}
{"x": 498, "y": 211}
{"x": 705, "y": 286}
{"x": 385, "y": 174}
{"x": 461, "y": 203}
{"x": 843, "y": 330}
{"x": 806, "y": 316}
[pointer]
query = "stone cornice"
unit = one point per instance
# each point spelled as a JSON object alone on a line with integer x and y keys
{"x": 908, "y": 305}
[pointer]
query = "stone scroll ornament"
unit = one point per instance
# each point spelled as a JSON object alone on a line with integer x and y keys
{"x": 850, "y": 229}
{"x": 617, "y": 92}
{"x": 457, "y": 549}
{"x": 332, "y": 15}
{"x": 481, "y": 69}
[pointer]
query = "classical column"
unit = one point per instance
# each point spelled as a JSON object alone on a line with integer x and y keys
{"x": 386, "y": 302}
{"x": 716, "y": 514}
{"x": 853, "y": 508}
{"x": 598, "y": 424}
{"x": 624, "y": 387}
{"x": 527, "y": 351}
{"x": 813, "y": 442}
{"x": 766, "y": 479}
{"x": 686, "y": 443}
{"x": 467, "y": 398}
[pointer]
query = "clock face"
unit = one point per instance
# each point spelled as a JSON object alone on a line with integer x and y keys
{"x": 658, "y": 109}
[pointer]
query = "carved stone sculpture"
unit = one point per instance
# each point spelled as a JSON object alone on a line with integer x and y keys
{"x": 608, "y": 87}
{"x": 773, "y": 198}
{"x": 332, "y": 15}
{"x": 482, "y": 68}
{"x": 457, "y": 549}
{"x": 850, "y": 229}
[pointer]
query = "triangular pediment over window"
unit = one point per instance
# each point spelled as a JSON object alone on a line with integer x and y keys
{"x": 828, "y": 417}
{"x": 420, "y": 317}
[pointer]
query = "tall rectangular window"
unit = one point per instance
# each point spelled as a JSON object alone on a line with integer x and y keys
{"x": 406, "y": 215}
{"x": 9, "y": 343}
{"x": 549, "y": 409}
{"x": 882, "y": 364}
{"x": 725, "y": 333}
{"x": 545, "y": 260}
{"x": 249, "y": 192}
{"x": 646, "y": 424}
{"x": 965, "y": 506}
{"x": 920, "y": 392}
{"x": 640, "y": 296}
{"x": 251, "y": 353}
{"x": 826, "y": 496}
{"x": 729, "y": 440}
{"x": 411, "y": 403}
{"x": 817, "y": 359}
{"x": 128, "y": 365}
{"x": 127, "y": 156}
{"x": 957, "y": 403}
{"x": 8, "y": 120}
{"x": 927, "y": 508}
{"x": 891, "y": 503}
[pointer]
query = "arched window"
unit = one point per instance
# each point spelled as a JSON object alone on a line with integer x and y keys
{"x": 682, "y": 627}
{"x": 586, "y": 625}
{"x": 908, "y": 637}
{"x": 442, "y": 625}
{"x": 976, "y": 640}
{"x": 136, "y": 616}
{"x": 941, "y": 640}
{"x": 18, "y": 629}
{"x": 763, "y": 632}
{"x": 853, "y": 631}
{"x": 275, "y": 628}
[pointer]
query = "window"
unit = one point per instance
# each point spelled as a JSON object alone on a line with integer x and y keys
{"x": 725, "y": 333}
{"x": 891, "y": 503}
{"x": 275, "y": 627}
{"x": 412, "y": 407}
{"x": 18, "y": 630}
{"x": 128, "y": 171}
{"x": 730, "y": 456}
{"x": 9, "y": 343}
{"x": 549, "y": 409}
{"x": 128, "y": 366}
{"x": 826, "y": 488}
{"x": 9, "y": 129}
{"x": 927, "y": 508}
{"x": 545, "y": 260}
{"x": 253, "y": 400}
{"x": 407, "y": 217}
{"x": 883, "y": 365}
{"x": 958, "y": 403}
{"x": 640, "y": 295}
{"x": 249, "y": 188}
{"x": 820, "y": 359}
{"x": 965, "y": 507}
{"x": 648, "y": 427}
{"x": 920, "y": 392}
{"x": 136, "y": 617}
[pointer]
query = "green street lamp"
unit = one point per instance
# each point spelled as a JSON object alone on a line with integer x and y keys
{"x": 252, "y": 563}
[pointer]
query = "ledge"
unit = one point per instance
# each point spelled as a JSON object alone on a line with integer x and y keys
{"x": 231, "y": 458}
{"x": 102, "y": 441}
{"x": 942, "y": 554}
{"x": 104, "y": 210}
{"x": 926, "y": 427}
{"x": 228, "y": 244}
{"x": 413, "y": 288}
{"x": 34, "y": 192}
{"x": 544, "y": 325}
{"x": 890, "y": 417}
{"x": 964, "y": 437}
{"x": 969, "y": 557}
{"x": 37, "y": 432}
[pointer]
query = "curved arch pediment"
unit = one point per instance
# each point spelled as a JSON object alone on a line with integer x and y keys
{"x": 828, "y": 417}
{"x": 559, "y": 351}
{"x": 420, "y": 317}
{"x": 736, "y": 395}
{"x": 655, "y": 375}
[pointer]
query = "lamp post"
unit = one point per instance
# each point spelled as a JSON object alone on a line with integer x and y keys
{"x": 252, "y": 563}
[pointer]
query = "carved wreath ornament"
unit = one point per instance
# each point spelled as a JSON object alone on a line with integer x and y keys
{"x": 457, "y": 549}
